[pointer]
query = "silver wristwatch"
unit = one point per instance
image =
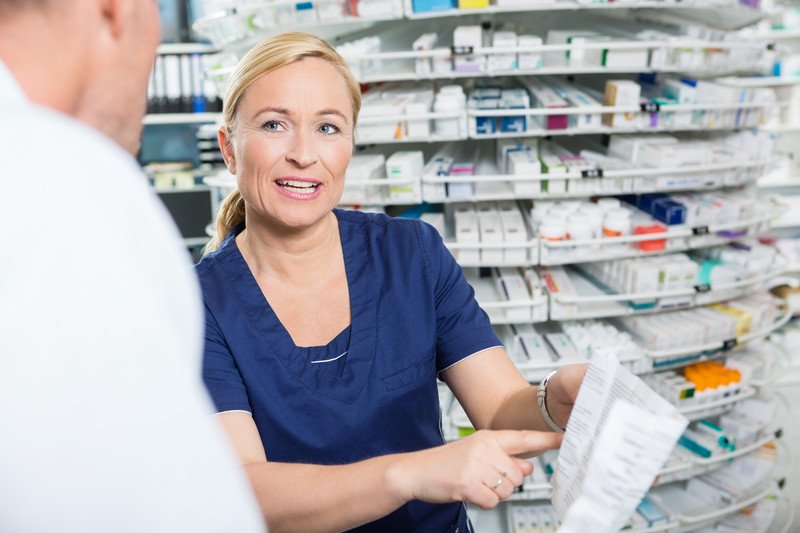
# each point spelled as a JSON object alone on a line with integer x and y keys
{"x": 541, "y": 398}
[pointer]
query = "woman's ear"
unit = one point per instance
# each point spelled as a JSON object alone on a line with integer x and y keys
{"x": 226, "y": 146}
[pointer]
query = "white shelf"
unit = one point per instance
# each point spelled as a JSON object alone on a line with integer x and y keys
{"x": 782, "y": 128}
{"x": 408, "y": 75}
{"x": 689, "y": 465}
{"x": 718, "y": 346}
{"x": 434, "y": 138}
{"x": 748, "y": 15}
{"x": 789, "y": 377}
{"x": 790, "y": 181}
{"x": 182, "y": 118}
{"x": 679, "y": 239}
{"x": 609, "y": 247}
{"x": 605, "y": 130}
{"x": 791, "y": 216}
{"x": 186, "y": 48}
{"x": 238, "y": 27}
{"x": 690, "y": 522}
{"x": 713, "y": 408}
{"x": 196, "y": 241}
{"x": 699, "y": 178}
{"x": 778, "y": 35}
{"x": 761, "y": 81}
{"x": 599, "y": 304}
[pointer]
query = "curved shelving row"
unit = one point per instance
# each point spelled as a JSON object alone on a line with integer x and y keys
{"x": 373, "y": 69}
{"x": 604, "y": 181}
{"x": 637, "y": 357}
{"x": 467, "y": 123}
{"x": 610, "y": 182}
{"x": 594, "y": 301}
{"x": 678, "y": 508}
{"x": 540, "y": 301}
{"x": 234, "y": 26}
{"x": 675, "y": 239}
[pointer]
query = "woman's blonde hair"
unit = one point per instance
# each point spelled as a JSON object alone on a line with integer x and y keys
{"x": 269, "y": 55}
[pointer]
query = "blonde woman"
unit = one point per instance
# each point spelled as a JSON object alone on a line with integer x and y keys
{"x": 326, "y": 329}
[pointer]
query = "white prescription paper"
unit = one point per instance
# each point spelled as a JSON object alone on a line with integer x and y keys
{"x": 618, "y": 437}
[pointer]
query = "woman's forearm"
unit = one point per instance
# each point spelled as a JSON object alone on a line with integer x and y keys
{"x": 316, "y": 498}
{"x": 479, "y": 469}
{"x": 520, "y": 411}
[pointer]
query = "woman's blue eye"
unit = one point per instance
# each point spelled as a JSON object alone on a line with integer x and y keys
{"x": 328, "y": 129}
{"x": 271, "y": 125}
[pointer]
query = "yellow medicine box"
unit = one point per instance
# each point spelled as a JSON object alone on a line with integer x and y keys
{"x": 473, "y": 4}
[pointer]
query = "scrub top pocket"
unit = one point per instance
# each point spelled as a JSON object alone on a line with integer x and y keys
{"x": 405, "y": 378}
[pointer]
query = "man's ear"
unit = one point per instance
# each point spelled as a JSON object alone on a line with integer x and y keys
{"x": 226, "y": 146}
{"x": 115, "y": 13}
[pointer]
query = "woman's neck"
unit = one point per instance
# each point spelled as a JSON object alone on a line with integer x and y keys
{"x": 290, "y": 254}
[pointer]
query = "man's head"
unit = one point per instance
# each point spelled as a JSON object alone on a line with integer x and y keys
{"x": 88, "y": 58}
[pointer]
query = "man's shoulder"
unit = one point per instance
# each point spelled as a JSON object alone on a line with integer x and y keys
{"x": 42, "y": 142}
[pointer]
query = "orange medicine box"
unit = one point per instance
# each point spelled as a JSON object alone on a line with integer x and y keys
{"x": 650, "y": 246}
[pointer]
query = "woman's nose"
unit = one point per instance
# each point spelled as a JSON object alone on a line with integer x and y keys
{"x": 302, "y": 151}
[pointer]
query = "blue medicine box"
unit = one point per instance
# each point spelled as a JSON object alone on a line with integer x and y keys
{"x": 421, "y": 6}
{"x": 650, "y": 512}
{"x": 669, "y": 211}
{"x": 647, "y": 202}
{"x": 485, "y": 124}
{"x": 483, "y": 99}
{"x": 632, "y": 199}
{"x": 513, "y": 124}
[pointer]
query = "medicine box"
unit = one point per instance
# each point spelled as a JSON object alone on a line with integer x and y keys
{"x": 473, "y": 4}
{"x": 580, "y": 99}
{"x": 514, "y": 232}
{"x": 545, "y": 97}
{"x": 491, "y": 232}
{"x": 500, "y": 61}
{"x": 406, "y": 165}
{"x": 621, "y": 93}
{"x": 625, "y": 58}
{"x": 578, "y": 57}
{"x": 361, "y": 168}
{"x": 423, "y": 6}
{"x": 529, "y": 60}
{"x": 437, "y": 221}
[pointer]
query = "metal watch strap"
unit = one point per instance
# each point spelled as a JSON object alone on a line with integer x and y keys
{"x": 541, "y": 398}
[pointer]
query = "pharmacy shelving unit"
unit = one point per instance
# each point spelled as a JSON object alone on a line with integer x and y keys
{"x": 232, "y": 30}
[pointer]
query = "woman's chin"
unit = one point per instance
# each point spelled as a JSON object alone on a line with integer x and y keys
{"x": 302, "y": 217}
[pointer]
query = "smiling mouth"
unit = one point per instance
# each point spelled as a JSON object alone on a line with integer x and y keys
{"x": 300, "y": 187}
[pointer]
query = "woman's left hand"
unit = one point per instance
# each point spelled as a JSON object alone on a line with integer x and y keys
{"x": 562, "y": 389}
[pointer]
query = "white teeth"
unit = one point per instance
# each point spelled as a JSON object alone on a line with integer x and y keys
{"x": 297, "y": 184}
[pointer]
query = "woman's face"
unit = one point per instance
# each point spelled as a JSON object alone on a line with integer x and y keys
{"x": 292, "y": 143}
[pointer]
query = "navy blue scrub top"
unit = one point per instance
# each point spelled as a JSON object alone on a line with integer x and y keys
{"x": 372, "y": 390}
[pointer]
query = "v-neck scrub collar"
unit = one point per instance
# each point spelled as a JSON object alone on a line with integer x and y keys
{"x": 345, "y": 378}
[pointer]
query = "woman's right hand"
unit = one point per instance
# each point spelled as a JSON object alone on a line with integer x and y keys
{"x": 480, "y": 469}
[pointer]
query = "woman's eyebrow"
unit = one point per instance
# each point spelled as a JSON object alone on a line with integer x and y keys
{"x": 332, "y": 112}
{"x": 284, "y": 111}
{"x": 279, "y": 110}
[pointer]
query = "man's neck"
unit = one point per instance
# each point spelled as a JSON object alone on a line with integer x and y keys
{"x": 49, "y": 70}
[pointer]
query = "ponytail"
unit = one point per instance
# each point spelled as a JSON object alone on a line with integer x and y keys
{"x": 231, "y": 214}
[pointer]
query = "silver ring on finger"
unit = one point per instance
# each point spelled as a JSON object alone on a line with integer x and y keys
{"x": 499, "y": 482}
